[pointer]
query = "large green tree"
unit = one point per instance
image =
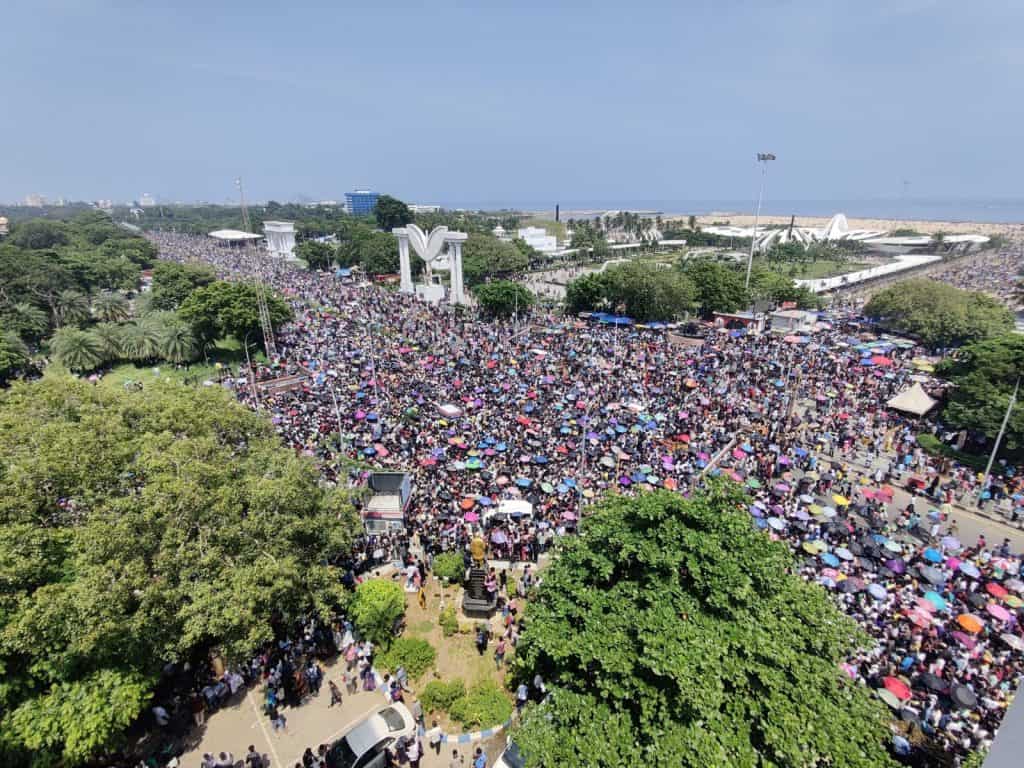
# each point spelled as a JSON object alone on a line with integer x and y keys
{"x": 938, "y": 314}
{"x": 673, "y": 632}
{"x": 485, "y": 256}
{"x": 317, "y": 255}
{"x": 230, "y": 309}
{"x": 172, "y": 282}
{"x": 983, "y": 375}
{"x": 13, "y": 355}
{"x": 391, "y": 212}
{"x": 718, "y": 286}
{"x": 503, "y": 298}
{"x": 137, "y": 529}
{"x": 77, "y": 350}
{"x": 642, "y": 291}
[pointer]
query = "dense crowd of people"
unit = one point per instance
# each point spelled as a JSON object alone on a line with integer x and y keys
{"x": 556, "y": 411}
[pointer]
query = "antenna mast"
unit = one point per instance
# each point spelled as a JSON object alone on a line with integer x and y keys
{"x": 261, "y": 289}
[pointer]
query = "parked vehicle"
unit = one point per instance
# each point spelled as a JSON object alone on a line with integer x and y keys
{"x": 391, "y": 494}
{"x": 365, "y": 744}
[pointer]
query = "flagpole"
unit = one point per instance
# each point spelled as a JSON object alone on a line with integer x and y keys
{"x": 999, "y": 439}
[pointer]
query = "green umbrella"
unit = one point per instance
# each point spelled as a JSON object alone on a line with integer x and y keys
{"x": 753, "y": 482}
{"x": 547, "y": 487}
{"x": 647, "y": 469}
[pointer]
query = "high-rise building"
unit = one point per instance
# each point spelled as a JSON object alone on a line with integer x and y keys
{"x": 361, "y": 202}
{"x": 35, "y": 201}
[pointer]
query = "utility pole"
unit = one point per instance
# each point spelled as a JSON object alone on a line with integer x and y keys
{"x": 763, "y": 158}
{"x": 261, "y": 289}
{"x": 999, "y": 439}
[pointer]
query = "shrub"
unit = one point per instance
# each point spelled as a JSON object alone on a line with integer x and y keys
{"x": 485, "y": 705}
{"x": 375, "y": 607}
{"x": 451, "y": 566}
{"x": 439, "y": 695}
{"x": 449, "y": 621}
{"x": 417, "y": 656}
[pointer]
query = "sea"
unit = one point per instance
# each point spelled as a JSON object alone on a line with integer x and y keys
{"x": 996, "y": 211}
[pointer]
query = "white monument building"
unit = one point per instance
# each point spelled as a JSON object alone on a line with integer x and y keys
{"x": 539, "y": 239}
{"x": 430, "y": 248}
{"x": 280, "y": 238}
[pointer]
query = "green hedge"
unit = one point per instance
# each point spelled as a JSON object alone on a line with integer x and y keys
{"x": 439, "y": 696}
{"x": 485, "y": 705}
{"x": 417, "y": 656}
{"x": 451, "y": 566}
{"x": 931, "y": 444}
{"x": 449, "y": 620}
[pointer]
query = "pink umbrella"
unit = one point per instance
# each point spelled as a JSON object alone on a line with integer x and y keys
{"x": 471, "y": 517}
{"x": 998, "y": 611}
{"x": 738, "y": 454}
{"x": 925, "y": 605}
{"x": 964, "y": 639}
{"x": 953, "y": 562}
{"x": 381, "y": 450}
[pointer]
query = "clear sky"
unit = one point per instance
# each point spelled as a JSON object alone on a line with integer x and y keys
{"x": 515, "y": 102}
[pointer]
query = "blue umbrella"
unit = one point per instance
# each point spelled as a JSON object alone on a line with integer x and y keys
{"x": 620, "y": 429}
{"x": 523, "y": 482}
{"x": 484, "y": 501}
{"x": 540, "y": 459}
{"x": 371, "y": 416}
{"x": 937, "y": 600}
{"x": 747, "y": 447}
{"x": 760, "y": 523}
{"x": 933, "y": 555}
{"x": 501, "y": 447}
{"x": 562, "y": 488}
{"x": 528, "y": 408}
{"x": 369, "y": 451}
{"x": 569, "y": 482}
{"x": 877, "y": 591}
{"x": 829, "y": 559}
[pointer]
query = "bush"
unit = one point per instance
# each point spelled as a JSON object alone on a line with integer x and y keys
{"x": 451, "y": 566}
{"x": 417, "y": 656}
{"x": 449, "y": 621}
{"x": 439, "y": 696}
{"x": 932, "y": 445}
{"x": 375, "y": 607}
{"x": 485, "y": 705}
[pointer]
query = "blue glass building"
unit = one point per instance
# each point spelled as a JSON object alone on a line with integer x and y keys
{"x": 361, "y": 202}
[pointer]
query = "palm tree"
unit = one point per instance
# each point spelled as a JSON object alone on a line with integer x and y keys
{"x": 27, "y": 320}
{"x": 691, "y": 223}
{"x": 71, "y": 308}
{"x": 13, "y": 355}
{"x": 178, "y": 344}
{"x": 140, "y": 341}
{"x": 76, "y": 349}
{"x": 110, "y": 307}
{"x": 109, "y": 337}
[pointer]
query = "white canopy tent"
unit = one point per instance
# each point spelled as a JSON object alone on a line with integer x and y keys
{"x": 234, "y": 235}
{"x": 914, "y": 400}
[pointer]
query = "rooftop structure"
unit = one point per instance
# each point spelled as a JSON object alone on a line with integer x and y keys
{"x": 234, "y": 236}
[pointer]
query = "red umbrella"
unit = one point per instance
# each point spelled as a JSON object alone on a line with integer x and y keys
{"x": 897, "y": 688}
{"x": 996, "y": 590}
{"x": 881, "y": 360}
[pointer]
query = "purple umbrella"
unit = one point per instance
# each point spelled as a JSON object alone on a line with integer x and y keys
{"x": 499, "y": 537}
{"x": 896, "y": 565}
{"x": 801, "y": 515}
{"x": 624, "y": 480}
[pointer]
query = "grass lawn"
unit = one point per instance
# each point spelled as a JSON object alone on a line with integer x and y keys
{"x": 815, "y": 269}
{"x": 228, "y": 352}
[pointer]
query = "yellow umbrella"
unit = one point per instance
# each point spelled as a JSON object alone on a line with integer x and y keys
{"x": 842, "y": 501}
{"x": 815, "y": 509}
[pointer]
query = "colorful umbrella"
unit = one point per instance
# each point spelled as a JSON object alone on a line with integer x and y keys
{"x": 970, "y": 622}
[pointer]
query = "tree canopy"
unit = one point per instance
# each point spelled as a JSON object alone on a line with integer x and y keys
{"x": 391, "y": 212}
{"x": 718, "y": 287}
{"x": 317, "y": 255}
{"x": 983, "y": 375}
{"x": 938, "y": 314}
{"x": 503, "y": 298}
{"x": 136, "y": 529}
{"x": 485, "y": 256}
{"x": 227, "y": 308}
{"x": 643, "y": 291}
{"x": 672, "y": 632}
{"x": 173, "y": 282}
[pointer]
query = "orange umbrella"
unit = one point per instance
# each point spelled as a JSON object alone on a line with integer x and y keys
{"x": 971, "y": 623}
{"x": 467, "y": 503}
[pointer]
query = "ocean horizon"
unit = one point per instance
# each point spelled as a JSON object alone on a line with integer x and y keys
{"x": 992, "y": 211}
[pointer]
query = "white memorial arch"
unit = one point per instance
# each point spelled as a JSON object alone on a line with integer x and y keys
{"x": 280, "y": 238}
{"x": 430, "y": 248}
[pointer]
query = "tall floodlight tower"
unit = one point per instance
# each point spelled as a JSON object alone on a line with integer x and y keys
{"x": 763, "y": 158}
{"x": 261, "y": 289}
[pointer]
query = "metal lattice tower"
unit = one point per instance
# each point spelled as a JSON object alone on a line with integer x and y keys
{"x": 261, "y": 289}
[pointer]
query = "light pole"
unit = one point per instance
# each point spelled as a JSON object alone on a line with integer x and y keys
{"x": 763, "y": 158}
{"x": 999, "y": 439}
{"x": 252, "y": 374}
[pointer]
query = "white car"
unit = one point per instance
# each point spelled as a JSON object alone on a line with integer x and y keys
{"x": 364, "y": 745}
{"x": 510, "y": 758}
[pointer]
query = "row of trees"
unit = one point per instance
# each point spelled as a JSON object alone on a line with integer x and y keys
{"x": 64, "y": 274}
{"x": 651, "y": 291}
{"x": 938, "y": 314}
{"x": 138, "y": 529}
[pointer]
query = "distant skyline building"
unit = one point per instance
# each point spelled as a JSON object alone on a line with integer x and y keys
{"x": 361, "y": 202}
{"x": 424, "y": 208}
{"x": 35, "y": 201}
{"x": 539, "y": 239}
{"x": 147, "y": 200}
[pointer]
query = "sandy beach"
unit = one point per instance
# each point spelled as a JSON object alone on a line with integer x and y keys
{"x": 887, "y": 225}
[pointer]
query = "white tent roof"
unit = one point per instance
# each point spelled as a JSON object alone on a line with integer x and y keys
{"x": 914, "y": 400}
{"x": 234, "y": 234}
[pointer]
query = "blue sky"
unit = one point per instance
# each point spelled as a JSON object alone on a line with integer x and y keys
{"x": 514, "y": 102}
